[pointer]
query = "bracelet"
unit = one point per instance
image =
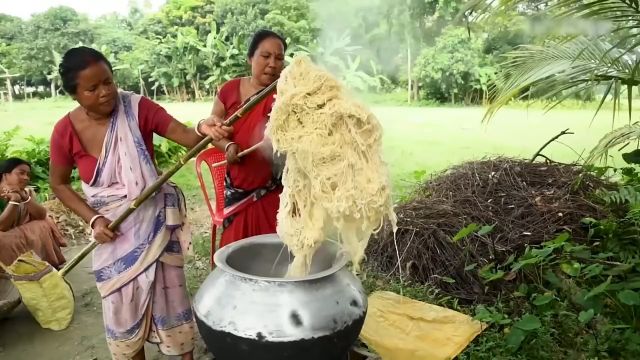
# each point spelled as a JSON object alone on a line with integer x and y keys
{"x": 26, "y": 201}
{"x": 197, "y": 128}
{"x": 14, "y": 203}
{"x": 93, "y": 219}
{"x": 226, "y": 147}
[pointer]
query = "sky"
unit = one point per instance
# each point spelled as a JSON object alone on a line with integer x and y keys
{"x": 93, "y": 8}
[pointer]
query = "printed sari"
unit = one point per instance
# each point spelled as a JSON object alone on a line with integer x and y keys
{"x": 140, "y": 275}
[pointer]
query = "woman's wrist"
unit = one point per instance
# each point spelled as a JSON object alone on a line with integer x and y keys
{"x": 93, "y": 220}
{"x": 228, "y": 145}
{"x": 197, "y": 128}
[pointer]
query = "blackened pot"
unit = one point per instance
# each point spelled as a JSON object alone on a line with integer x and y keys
{"x": 247, "y": 310}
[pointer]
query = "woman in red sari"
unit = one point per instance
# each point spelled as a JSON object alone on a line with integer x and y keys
{"x": 253, "y": 183}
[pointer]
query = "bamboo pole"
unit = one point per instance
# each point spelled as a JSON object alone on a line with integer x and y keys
{"x": 148, "y": 192}
{"x": 240, "y": 154}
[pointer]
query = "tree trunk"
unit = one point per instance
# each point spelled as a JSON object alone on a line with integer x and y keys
{"x": 53, "y": 88}
{"x": 409, "y": 89}
{"x": 196, "y": 91}
{"x": 141, "y": 83}
{"x": 9, "y": 89}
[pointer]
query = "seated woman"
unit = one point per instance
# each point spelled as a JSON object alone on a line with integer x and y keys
{"x": 253, "y": 183}
{"x": 24, "y": 224}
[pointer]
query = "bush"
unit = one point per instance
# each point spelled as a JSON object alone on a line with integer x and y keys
{"x": 167, "y": 152}
{"x": 36, "y": 152}
{"x": 455, "y": 69}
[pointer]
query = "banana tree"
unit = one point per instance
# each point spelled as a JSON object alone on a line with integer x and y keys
{"x": 222, "y": 57}
{"x": 574, "y": 63}
{"x": 339, "y": 56}
{"x": 53, "y": 75}
{"x": 7, "y": 76}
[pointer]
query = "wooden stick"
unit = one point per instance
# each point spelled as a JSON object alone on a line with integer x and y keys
{"x": 241, "y": 154}
{"x": 153, "y": 188}
{"x": 562, "y": 133}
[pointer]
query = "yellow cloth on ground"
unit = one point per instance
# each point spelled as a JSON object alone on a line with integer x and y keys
{"x": 399, "y": 328}
{"x": 44, "y": 292}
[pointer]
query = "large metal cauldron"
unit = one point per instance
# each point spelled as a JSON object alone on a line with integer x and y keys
{"x": 247, "y": 310}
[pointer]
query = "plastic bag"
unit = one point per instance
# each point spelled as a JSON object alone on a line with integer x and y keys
{"x": 399, "y": 328}
{"x": 44, "y": 292}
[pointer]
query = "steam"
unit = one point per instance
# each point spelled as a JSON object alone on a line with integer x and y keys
{"x": 360, "y": 21}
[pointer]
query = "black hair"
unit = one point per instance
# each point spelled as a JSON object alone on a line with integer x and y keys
{"x": 74, "y": 61}
{"x": 259, "y": 37}
{"x": 11, "y": 164}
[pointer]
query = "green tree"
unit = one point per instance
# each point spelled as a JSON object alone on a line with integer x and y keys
{"x": 11, "y": 29}
{"x": 455, "y": 68}
{"x": 129, "y": 52}
{"x": 46, "y": 36}
{"x": 291, "y": 18}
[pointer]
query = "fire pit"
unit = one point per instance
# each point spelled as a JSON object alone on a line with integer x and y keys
{"x": 247, "y": 310}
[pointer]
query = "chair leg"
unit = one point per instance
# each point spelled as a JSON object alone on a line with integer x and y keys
{"x": 214, "y": 229}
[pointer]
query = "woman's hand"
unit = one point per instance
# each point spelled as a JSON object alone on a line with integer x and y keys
{"x": 213, "y": 127}
{"x": 232, "y": 154}
{"x": 11, "y": 194}
{"x": 101, "y": 232}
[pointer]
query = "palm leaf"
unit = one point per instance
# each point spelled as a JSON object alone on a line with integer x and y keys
{"x": 619, "y": 137}
{"x": 563, "y": 69}
{"x": 576, "y": 65}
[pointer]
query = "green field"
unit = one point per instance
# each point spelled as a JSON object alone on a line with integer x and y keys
{"x": 416, "y": 138}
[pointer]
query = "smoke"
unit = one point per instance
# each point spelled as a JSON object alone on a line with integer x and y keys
{"x": 360, "y": 28}
{"x": 547, "y": 26}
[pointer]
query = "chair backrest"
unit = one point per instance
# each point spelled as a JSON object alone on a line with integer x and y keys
{"x": 210, "y": 157}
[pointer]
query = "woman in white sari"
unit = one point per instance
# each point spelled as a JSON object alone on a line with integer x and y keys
{"x": 138, "y": 270}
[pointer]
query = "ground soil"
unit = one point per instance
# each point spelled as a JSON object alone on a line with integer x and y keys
{"x": 22, "y": 338}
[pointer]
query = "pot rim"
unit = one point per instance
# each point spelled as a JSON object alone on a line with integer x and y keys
{"x": 220, "y": 260}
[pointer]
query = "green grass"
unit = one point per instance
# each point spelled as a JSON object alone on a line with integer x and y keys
{"x": 428, "y": 139}
{"x": 416, "y": 138}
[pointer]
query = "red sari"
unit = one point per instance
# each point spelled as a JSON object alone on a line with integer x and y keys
{"x": 252, "y": 183}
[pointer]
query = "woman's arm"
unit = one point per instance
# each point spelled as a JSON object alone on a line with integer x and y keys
{"x": 36, "y": 211}
{"x": 188, "y": 137}
{"x": 224, "y": 143}
{"x": 60, "y": 180}
{"x": 218, "y": 114}
{"x": 10, "y": 213}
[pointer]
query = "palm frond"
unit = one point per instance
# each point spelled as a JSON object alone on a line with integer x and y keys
{"x": 576, "y": 65}
{"x": 622, "y": 15}
{"x": 618, "y": 138}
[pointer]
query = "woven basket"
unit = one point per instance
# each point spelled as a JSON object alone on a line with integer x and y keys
{"x": 9, "y": 296}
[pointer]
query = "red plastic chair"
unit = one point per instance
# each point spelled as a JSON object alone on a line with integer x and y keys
{"x": 210, "y": 157}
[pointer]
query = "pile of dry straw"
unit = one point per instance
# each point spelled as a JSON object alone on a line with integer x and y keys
{"x": 526, "y": 203}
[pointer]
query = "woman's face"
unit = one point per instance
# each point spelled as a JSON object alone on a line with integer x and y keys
{"x": 268, "y": 61}
{"x": 19, "y": 177}
{"x": 96, "y": 91}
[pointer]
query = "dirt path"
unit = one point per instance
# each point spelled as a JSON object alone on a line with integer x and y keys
{"x": 22, "y": 338}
